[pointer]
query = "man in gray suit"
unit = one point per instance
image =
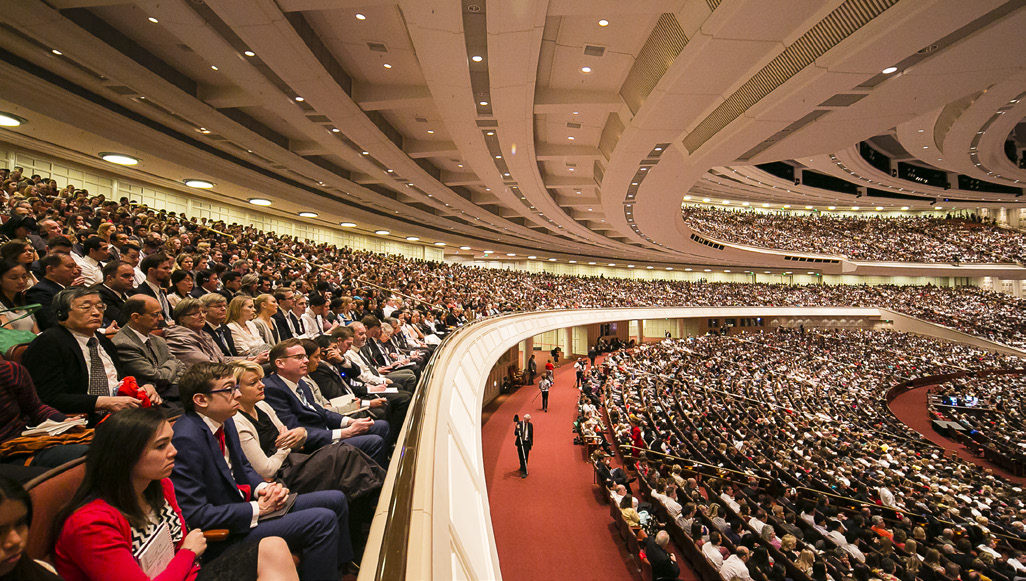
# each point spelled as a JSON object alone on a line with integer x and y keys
{"x": 143, "y": 355}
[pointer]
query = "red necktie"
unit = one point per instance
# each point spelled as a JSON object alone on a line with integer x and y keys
{"x": 243, "y": 488}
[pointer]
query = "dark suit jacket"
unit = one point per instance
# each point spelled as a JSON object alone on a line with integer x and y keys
{"x": 662, "y": 566}
{"x": 113, "y": 302}
{"x": 373, "y": 351}
{"x": 206, "y": 489}
{"x": 331, "y": 383}
{"x": 43, "y": 293}
{"x": 144, "y": 289}
{"x": 318, "y": 422}
{"x": 58, "y": 368}
{"x": 228, "y": 343}
{"x": 283, "y": 326}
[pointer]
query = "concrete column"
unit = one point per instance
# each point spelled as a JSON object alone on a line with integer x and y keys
{"x": 641, "y": 331}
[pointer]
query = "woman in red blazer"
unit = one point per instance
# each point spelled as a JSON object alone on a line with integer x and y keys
{"x": 124, "y": 521}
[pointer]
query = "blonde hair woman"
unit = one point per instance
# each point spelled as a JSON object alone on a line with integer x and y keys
{"x": 244, "y": 331}
{"x": 266, "y": 306}
{"x": 805, "y": 561}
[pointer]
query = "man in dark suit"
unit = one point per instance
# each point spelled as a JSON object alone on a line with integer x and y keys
{"x": 77, "y": 370}
{"x": 293, "y": 401}
{"x": 231, "y": 283}
{"x": 524, "y": 434}
{"x": 284, "y": 319}
{"x": 157, "y": 268}
{"x": 217, "y": 312}
{"x": 59, "y": 272}
{"x": 664, "y": 563}
{"x": 145, "y": 356}
{"x": 374, "y": 354}
{"x": 218, "y": 489}
{"x": 532, "y": 370}
{"x": 118, "y": 280}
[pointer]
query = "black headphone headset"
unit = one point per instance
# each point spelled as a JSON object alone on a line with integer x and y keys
{"x": 60, "y": 307}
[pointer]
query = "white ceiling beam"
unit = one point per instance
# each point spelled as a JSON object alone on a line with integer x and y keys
{"x": 227, "y": 97}
{"x": 460, "y": 179}
{"x": 569, "y": 182}
{"x": 416, "y": 148}
{"x": 560, "y": 152}
{"x": 557, "y": 101}
{"x": 386, "y": 97}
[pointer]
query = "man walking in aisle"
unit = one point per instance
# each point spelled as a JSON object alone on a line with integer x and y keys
{"x": 544, "y": 385}
{"x": 523, "y": 434}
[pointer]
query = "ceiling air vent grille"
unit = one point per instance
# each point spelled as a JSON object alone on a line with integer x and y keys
{"x": 594, "y": 50}
{"x": 377, "y": 47}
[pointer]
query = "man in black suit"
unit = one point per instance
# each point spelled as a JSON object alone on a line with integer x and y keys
{"x": 532, "y": 370}
{"x": 77, "y": 370}
{"x": 373, "y": 353}
{"x": 286, "y": 321}
{"x": 664, "y": 563}
{"x": 217, "y": 313}
{"x": 231, "y": 282}
{"x": 60, "y": 271}
{"x": 157, "y": 268}
{"x": 524, "y": 434}
{"x": 118, "y": 280}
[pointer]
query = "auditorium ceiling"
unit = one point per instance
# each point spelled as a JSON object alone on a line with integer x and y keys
{"x": 572, "y": 129}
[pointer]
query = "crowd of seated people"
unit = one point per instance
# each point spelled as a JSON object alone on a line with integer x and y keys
{"x": 776, "y": 455}
{"x": 904, "y": 239}
{"x": 126, "y": 291}
{"x": 989, "y": 407}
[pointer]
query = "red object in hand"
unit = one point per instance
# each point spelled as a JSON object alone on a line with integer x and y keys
{"x": 130, "y": 388}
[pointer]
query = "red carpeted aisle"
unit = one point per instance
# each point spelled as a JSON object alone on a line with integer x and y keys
{"x": 553, "y": 524}
{"x": 911, "y": 408}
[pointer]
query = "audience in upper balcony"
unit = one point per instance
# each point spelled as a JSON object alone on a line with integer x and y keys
{"x": 904, "y": 239}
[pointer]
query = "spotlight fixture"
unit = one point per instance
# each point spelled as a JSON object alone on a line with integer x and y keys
{"x": 299, "y": 99}
{"x": 477, "y": 58}
{"x": 199, "y": 184}
{"x": 890, "y": 70}
{"x": 603, "y": 22}
{"x": 360, "y": 16}
{"x": 260, "y": 201}
{"x": 347, "y": 224}
{"x": 439, "y": 243}
{"x": 464, "y": 248}
{"x": 387, "y": 66}
{"x": 249, "y": 53}
{"x": 308, "y": 214}
{"x": 11, "y": 120}
{"x": 118, "y": 158}
{"x": 153, "y": 20}
{"x": 483, "y": 103}
{"x": 382, "y": 232}
{"x": 585, "y": 70}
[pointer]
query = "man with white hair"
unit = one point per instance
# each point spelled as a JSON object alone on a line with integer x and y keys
{"x": 664, "y": 563}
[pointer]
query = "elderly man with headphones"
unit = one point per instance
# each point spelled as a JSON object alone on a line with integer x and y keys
{"x": 76, "y": 370}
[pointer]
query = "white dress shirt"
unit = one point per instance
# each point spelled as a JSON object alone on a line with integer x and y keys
{"x": 92, "y": 271}
{"x": 213, "y": 427}
{"x": 108, "y": 364}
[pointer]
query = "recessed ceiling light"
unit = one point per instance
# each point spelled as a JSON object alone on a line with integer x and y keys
{"x": 118, "y": 158}
{"x": 575, "y": 112}
{"x": 335, "y": 130}
{"x": 490, "y": 133}
{"x": 308, "y": 214}
{"x": 464, "y": 248}
{"x": 412, "y": 238}
{"x": 11, "y": 120}
{"x": 808, "y": 207}
{"x": 592, "y": 263}
{"x": 765, "y": 205}
{"x": 571, "y": 138}
{"x": 213, "y": 67}
{"x": 831, "y": 207}
{"x": 382, "y": 232}
{"x": 360, "y": 16}
{"x": 387, "y": 66}
{"x": 477, "y": 58}
{"x": 489, "y": 251}
{"x": 249, "y": 53}
{"x": 878, "y": 208}
{"x": 612, "y": 264}
{"x": 201, "y": 184}
{"x": 498, "y": 157}
{"x": 904, "y": 207}
{"x": 483, "y": 103}
{"x": 531, "y": 257}
{"x": 603, "y": 22}
{"x": 511, "y": 254}
{"x": 585, "y": 70}
{"x": 630, "y": 266}
{"x": 439, "y": 243}
{"x": 890, "y": 70}
{"x": 204, "y": 131}
{"x": 153, "y": 20}
{"x": 299, "y": 99}
{"x": 365, "y": 152}
{"x": 855, "y": 208}
{"x": 56, "y": 52}
{"x": 552, "y": 260}
{"x": 347, "y": 224}
{"x": 260, "y": 202}
{"x": 926, "y": 147}
{"x": 431, "y": 132}
{"x": 649, "y": 267}
{"x": 938, "y": 208}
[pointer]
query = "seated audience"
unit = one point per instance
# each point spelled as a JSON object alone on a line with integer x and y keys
{"x": 13, "y": 284}
{"x": 217, "y": 488}
{"x": 245, "y": 335}
{"x": 145, "y": 355}
{"x": 126, "y": 515}
{"x": 89, "y": 373}
{"x": 117, "y": 286}
{"x": 15, "y": 518}
{"x": 20, "y": 408}
{"x": 181, "y": 286}
{"x": 59, "y": 272}
{"x": 273, "y": 450}
{"x": 288, "y": 393}
{"x": 157, "y": 268}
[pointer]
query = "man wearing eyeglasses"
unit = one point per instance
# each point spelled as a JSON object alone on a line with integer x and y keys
{"x": 77, "y": 370}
